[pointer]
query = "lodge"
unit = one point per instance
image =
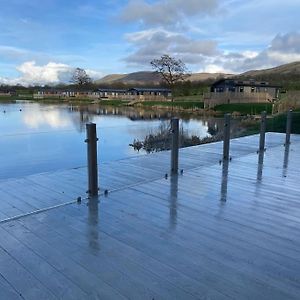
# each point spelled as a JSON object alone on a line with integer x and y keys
{"x": 226, "y": 91}
{"x": 140, "y": 94}
{"x": 110, "y": 93}
{"x": 6, "y": 92}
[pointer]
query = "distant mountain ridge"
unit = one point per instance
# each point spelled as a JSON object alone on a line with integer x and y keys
{"x": 148, "y": 77}
{"x": 286, "y": 69}
{"x": 280, "y": 75}
{"x": 287, "y": 75}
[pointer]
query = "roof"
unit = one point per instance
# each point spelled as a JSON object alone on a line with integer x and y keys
{"x": 150, "y": 90}
{"x": 249, "y": 82}
{"x": 112, "y": 90}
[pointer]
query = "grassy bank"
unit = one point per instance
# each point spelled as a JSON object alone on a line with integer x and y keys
{"x": 245, "y": 108}
{"x": 195, "y": 98}
{"x": 274, "y": 124}
{"x": 278, "y": 123}
{"x": 167, "y": 104}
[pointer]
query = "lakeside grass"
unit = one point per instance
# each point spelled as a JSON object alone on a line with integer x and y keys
{"x": 274, "y": 124}
{"x": 194, "y": 98}
{"x": 278, "y": 123}
{"x": 167, "y": 104}
{"x": 245, "y": 108}
{"x": 112, "y": 102}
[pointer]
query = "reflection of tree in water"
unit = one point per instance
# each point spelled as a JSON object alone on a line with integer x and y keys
{"x": 213, "y": 130}
{"x": 81, "y": 116}
{"x": 160, "y": 139}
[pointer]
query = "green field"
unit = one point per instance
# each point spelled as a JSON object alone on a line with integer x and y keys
{"x": 274, "y": 124}
{"x": 245, "y": 108}
{"x": 113, "y": 102}
{"x": 182, "y": 104}
{"x": 195, "y": 98}
{"x": 278, "y": 123}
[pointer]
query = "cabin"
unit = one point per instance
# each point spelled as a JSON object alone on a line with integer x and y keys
{"x": 47, "y": 93}
{"x": 55, "y": 93}
{"x": 6, "y": 92}
{"x": 226, "y": 91}
{"x": 153, "y": 94}
{"x": 76, "y": 94}
{"x": 140, "y": 94}
{"x": 110, "y": 93}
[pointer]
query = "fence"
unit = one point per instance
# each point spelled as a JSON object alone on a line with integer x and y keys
{"x": 175, "y": 145}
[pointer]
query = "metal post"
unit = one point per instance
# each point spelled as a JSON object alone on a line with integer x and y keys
{"x": 226, "y": 142}
{"x": 224, "y": 183}
{"x": 175, "y": 145}
{"x": 260, "y": 165}
{"x": 263, "y": 126}
{"x": 91, "y": 141}
{"x": 288, "y": 127}
{"x": 286, "y": 160}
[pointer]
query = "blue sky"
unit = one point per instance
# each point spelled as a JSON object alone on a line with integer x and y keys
{"x": 42, "y": 41}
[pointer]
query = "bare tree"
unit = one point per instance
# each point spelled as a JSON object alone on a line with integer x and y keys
{"x": 80, "y": 77}
{"x": 171, "y": 70}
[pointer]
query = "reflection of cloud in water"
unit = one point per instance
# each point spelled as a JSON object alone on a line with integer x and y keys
{"x": 51, "y": 118}
{"x": 196, "y": 127}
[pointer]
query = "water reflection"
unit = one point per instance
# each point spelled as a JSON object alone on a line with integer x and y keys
{"x": 260, "y": 166}
{"x": 286, "y": 160}
{"x": 52, "y": 118}
{"x": 61, "y": 142}
{"x": 92, "y": 229}
{"x": 224, "y": 183}
{"x": 173, "y": 201}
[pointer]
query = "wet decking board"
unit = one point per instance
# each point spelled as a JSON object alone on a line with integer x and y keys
{"x": 211, "y": 233}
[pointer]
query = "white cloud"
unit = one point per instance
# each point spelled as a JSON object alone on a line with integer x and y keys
{"x": 168, "y": 12}
{"x": 211, "y": 68}
{"x": 206, "y": 55}
{"x": 94, "y": 74}
{"x": 50, "y": 73}
{"x": 150, "y": 44}
{"x": 53, "y": 118}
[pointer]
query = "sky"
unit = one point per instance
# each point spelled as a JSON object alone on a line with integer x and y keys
{"x": 42, "y": 41}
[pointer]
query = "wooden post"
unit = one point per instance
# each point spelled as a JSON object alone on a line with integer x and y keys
{"x": 226, "y": 142}
{"x": 263, "y": 126}
{"x": 91, "y": 141}
{"x": 175, "y": 145}
{"x": 288, "y": 127}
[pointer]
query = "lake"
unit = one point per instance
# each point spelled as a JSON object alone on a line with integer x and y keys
{"x": 39, "y": 138}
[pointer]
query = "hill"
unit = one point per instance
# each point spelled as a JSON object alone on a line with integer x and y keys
{"x": 287, "y": 75}
{"x": 287, "y": 69}
{"x": 152, "y": 78}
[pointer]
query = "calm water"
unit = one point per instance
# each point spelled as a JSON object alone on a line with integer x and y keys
{"x": 37, "y": 138}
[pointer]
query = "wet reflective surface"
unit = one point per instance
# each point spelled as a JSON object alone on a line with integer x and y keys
{"x": 155, "y": 237}
{"x": 38, "y": 138}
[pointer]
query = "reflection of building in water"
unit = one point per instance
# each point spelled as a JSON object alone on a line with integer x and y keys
{"x": 88, "y": 111}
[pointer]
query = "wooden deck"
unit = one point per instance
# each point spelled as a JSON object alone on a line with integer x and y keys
{"x": 214, "y": 232}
